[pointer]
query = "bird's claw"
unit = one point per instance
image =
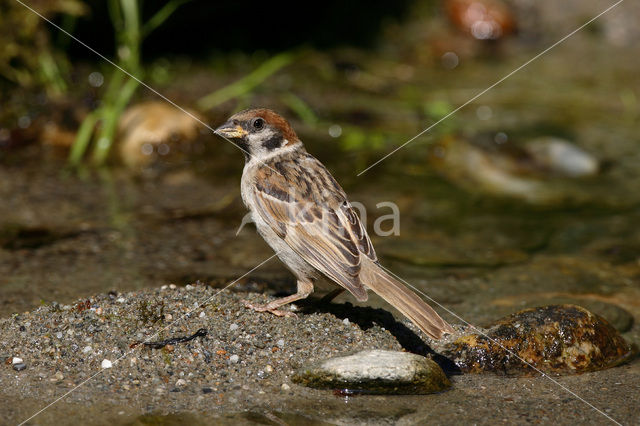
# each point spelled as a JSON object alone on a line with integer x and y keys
{"x": 267, "y": 308}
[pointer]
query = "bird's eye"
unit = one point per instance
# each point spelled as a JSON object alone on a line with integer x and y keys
{"x": 258, "y": 123}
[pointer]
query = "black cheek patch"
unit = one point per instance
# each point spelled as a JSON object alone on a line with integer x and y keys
{"x": 273, "y": 142}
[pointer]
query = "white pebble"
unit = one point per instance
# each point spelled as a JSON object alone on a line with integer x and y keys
{"x": 345, "y": 321}
{"x": 285, "y": 387}
{"x": 106, "y": 363}
{"x": 172, "y": 286}
{"x": 59, "y": 335}
{"x": 164, "y": 287}
{"x": 181, "y": 382}
{"x": 202, "y": 314}
{"x": 234, "y": 359}
{"x": 234, "y": 327}
{"x": 87, "y": 349}
{"x": 280, "y": 343}
{"x": 120, "y": 300}
{"x": 16, "y": 360}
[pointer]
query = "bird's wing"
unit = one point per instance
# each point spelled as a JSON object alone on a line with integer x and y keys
{"x": 307, "y": 208}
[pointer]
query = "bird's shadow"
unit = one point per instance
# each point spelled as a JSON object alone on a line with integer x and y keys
{"x": 366, "y": 317}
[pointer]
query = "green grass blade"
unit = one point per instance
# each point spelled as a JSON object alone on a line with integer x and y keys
{"x": 110, "y": 121}
{"x": 301, "y": 108}
{"x": 247, "y": 83}
{"x": 83, "y": 137}
{"x": 160, "y": 16}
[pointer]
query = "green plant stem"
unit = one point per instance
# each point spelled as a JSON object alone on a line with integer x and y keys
{"x": 301, "y": 108}
{"x": 110, "y": 119}
{"x": 51, "y": 74}
{"x": 162, "y": 15}
{"x": 83, "y": 137}
{"x": 247, "y": 83}
{"x": 125, "y": 17}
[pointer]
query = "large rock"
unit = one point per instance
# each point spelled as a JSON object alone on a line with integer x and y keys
{"x": 560, "y": 339}
{"x": 376, "y": 372}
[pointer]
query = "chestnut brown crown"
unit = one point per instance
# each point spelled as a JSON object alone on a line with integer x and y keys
{"x": 258, "y": 132}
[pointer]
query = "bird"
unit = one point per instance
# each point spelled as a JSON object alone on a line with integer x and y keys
{"x": 304, "y": 215}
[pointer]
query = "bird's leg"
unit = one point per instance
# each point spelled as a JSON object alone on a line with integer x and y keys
{"x": 305, "y": 288}
{"x": 327, "y": 298}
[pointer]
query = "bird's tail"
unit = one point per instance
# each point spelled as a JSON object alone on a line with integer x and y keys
{"x": 404, "y": 300}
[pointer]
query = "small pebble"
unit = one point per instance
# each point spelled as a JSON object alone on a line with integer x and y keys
{"x": 181, "y": 382}
{"x": 234, "y": 327}
{"x": 19, "y": 366}
{"x": 106, "y": 363}
{"x": 268, "y": 369}
{"x": 57, "y": 377}
{"x": 280, "y": 343}
{"x": 86, "y": 349}
{"x": 120, "y": 300}
{"x": 234, "y": 359}
{"x": 207, "y": 390}
{"x": 285, "y": 387}
{"x": 202, "y": 314}
{"x": 345, "y": 321}
{"x": 59, "y": 335}
{"x": 16, "y": 360}
{"x": 172, "y": 286}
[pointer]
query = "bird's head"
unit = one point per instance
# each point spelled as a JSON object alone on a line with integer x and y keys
{"x": 258, "y": 132}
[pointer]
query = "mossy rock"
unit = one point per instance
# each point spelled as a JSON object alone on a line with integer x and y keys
{"x": 560, "y": 339}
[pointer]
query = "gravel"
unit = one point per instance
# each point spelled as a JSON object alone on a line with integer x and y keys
{"x": 242, "y": 349}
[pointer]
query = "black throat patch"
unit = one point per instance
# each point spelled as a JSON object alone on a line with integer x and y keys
{"x": 273, "y": 142}
{"x": 244, "y": 146}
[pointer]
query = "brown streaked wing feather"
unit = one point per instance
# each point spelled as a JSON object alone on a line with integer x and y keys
{"x": 329, "y": 237}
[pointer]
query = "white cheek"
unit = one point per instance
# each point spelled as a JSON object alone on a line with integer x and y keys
{"x": 256, "y": 139}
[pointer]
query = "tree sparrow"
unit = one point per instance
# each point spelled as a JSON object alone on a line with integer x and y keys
{"x": 304, "y": 215}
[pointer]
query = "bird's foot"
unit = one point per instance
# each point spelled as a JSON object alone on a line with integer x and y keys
{"x": 269, "y": 308}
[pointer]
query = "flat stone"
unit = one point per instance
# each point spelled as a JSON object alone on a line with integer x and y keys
{"x": 376, "y": 372}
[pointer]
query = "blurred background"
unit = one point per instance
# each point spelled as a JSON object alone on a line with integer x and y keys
{"x": 528, "y": 195}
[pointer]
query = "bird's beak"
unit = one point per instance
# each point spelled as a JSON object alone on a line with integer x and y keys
{"x": 231, "y": 131}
